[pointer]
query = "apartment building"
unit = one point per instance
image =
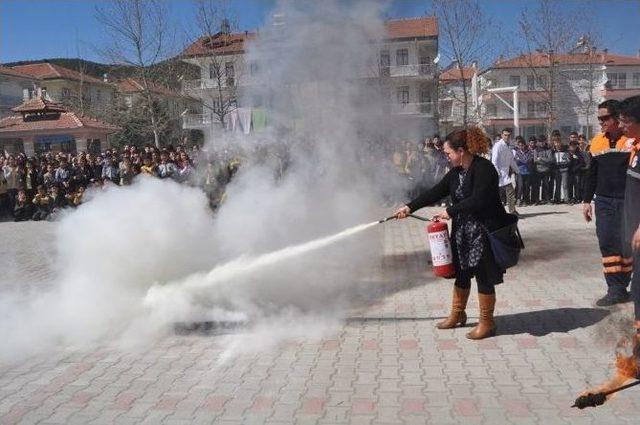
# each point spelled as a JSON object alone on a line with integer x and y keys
{"x": 453, "y": 97}
{"x": 63, "y": 85}
{"x": 405, "y": 74}
{"x": 131, "y": 90}
{"x": 563, "y": 96}
{"x": 15, "y": 87}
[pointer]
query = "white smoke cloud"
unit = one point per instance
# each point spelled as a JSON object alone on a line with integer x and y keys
{"x": 130, "y": 258}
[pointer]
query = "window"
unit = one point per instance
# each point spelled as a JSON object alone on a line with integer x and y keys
{"x": 229, "y": 72}
{"x": 65, "y": 93}
{"x": 531, "y": 109}
{"x": 636, "y": 79}
{"x": 531, "y": 82}
{"x": 213, "y": 71}
{"x": 446, "y": 108}
{"x": 403, "y": 95}
{"x": 425, "y": 100}
{"x": 402, "y": 57}
{"x": 514, "y": 80}
{"x": 385, "y": 62}
{"x": 541, "y": 107}
{"x": 93, "y": 146}
{"x": 622, "y": 81}
{"x": 492, "y": 109}
{"x": 542, "y": 82}
{"x": 425, "y": 64}
{"x": 617, "y": 80}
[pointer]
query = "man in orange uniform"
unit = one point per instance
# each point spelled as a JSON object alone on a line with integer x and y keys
{"x": 610, "y": 151}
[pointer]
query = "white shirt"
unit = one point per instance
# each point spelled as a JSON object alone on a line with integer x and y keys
{"x": 502, "y": 158}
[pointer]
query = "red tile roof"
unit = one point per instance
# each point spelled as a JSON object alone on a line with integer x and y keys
{"x": 219, "y": 44}
{"x": 426, "y": 26}
{"x": 234, "y": 43}
{"x": 5, "y": 70}
{"x": 131, "y": 85}
{"x": 62, "y": 121}
{"x": 542, "y": 60}
{"x": 39, "y": 104}
{"x": 49, "y": 71}
{"x": 453, "y": 74}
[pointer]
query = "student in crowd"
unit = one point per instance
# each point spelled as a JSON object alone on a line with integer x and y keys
{"x": 576, "y": 169}
{"x": 561, "y": 169}
{"x": 502, "y": 158}
{"x": 23, "y": 209}
{"x": 524, "y": 159}
{"x": 543, "y": 161}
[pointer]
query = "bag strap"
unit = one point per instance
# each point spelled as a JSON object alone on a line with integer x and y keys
{"x": 520, "y": 238}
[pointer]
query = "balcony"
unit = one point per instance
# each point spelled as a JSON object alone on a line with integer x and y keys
{"x": 196, "y": 121}
{"x": 197, "y": 86}
{"x": 413, "y": 70}
{"x": 423, "y": 109}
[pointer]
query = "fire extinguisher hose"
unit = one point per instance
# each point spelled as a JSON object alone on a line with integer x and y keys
{"x": 410, "y": 215}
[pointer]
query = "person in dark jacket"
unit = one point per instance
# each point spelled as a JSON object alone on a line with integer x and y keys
{"x": 576, "y": 166}
{"x": 610, "y": 153}
{"x": 630, "y": 123}
{"x": 476, "y": 210}
{"x": 543, "y": 163}
{"x": 23, "y": 209}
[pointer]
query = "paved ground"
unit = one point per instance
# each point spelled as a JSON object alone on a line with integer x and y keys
{"x": 386, "y": 365}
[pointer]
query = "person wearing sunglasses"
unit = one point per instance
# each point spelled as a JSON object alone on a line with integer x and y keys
{"x": 610, "y": 151}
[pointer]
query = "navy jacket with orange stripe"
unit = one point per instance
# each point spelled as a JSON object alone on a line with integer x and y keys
{"x": 608, "y": 171}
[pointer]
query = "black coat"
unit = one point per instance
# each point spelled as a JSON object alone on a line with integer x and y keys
{"x": 483, "y": 199}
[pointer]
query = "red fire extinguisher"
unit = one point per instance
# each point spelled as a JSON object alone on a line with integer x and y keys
{"x": 441, "y": 256}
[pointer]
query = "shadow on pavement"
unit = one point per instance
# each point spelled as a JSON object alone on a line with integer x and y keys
{"x": 531, "y": 215}
{"x": 544, "y": 322}
{"x": 392, "y": 319}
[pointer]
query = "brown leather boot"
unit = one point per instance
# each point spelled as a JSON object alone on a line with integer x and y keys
{"x": 486, "y": 327}
{"x": 457, "y": 315}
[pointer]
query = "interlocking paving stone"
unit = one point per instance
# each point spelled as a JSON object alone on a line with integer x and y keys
{"x": 387, "y": 364}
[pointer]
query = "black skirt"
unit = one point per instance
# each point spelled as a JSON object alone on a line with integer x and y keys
{"x": 487, "y": 273}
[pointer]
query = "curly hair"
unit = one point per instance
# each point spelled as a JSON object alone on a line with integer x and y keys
{"x": 471, "y": 139}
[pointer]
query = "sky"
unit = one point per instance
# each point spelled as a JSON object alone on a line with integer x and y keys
{"x": 38, "y": 29}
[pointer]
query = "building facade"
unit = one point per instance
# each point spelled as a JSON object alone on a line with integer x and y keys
{"x": 457, "y": 92}
{"x": 563, "y": 96}
{"x": 15, "y": 88}
{"x": 63, "y": 85}
{"x": 40, "y": 125}
{"x": 405, "y": 74}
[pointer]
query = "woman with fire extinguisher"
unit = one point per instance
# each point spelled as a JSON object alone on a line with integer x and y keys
{"x": 476, "y": 210}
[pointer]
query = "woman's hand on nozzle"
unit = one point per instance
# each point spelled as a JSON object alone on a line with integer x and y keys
{"x": 402, "y": 212}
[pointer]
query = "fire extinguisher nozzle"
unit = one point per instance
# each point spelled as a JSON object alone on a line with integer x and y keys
{"x": 387, "y": 219}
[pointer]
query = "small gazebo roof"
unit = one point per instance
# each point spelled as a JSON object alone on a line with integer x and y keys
{"x": 39, "y": 105}
{"x": 41, "y": 114}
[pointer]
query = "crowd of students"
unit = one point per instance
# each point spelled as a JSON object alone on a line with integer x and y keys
{"x": 38, "y": 187}
{"x": 543, "y": 171}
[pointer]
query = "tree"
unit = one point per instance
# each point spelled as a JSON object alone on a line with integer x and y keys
{"x": 220, "y": 92}
{"x": 140, "y": 38}
{"x": 550, "y": 33}
{"x": 463, "y": 34}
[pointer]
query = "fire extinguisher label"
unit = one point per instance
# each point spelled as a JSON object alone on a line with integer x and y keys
{"x": 440, "y": 248}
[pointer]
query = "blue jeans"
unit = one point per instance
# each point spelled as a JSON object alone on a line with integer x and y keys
{"x": 617, "y": 268}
